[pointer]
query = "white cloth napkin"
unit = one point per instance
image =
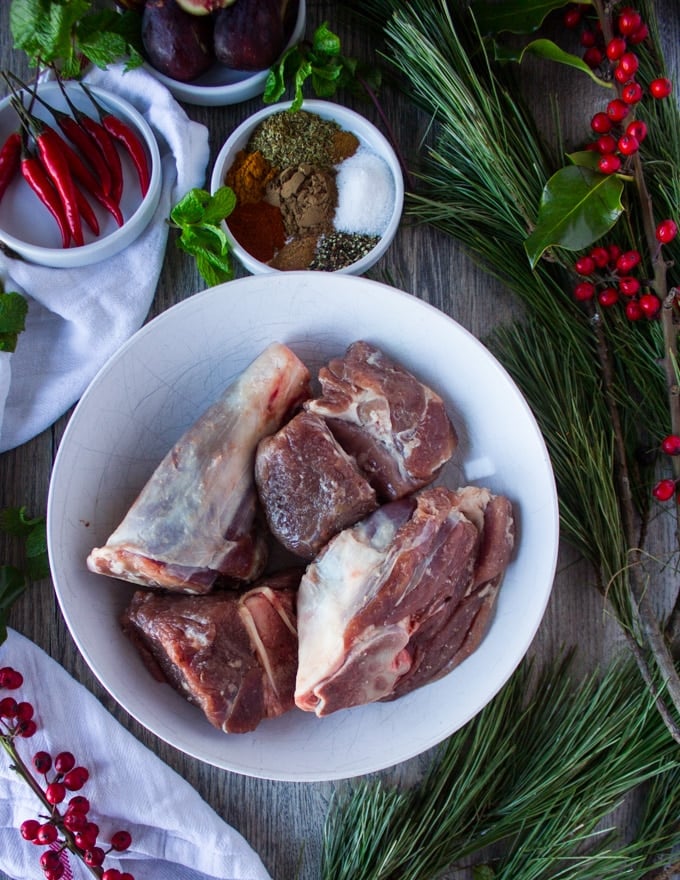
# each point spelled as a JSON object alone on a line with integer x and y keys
{"x": 175, "y": 834}
{"x": 79, "y": 317}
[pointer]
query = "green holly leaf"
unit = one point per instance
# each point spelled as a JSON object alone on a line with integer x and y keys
{"x": 199, "y": 215}
{"x": 513, "y": 16}
{"x": 578, "y": 206}
{"x": 549, "y": 51}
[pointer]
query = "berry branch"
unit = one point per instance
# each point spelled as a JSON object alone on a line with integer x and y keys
{"x": 58, "y": 829}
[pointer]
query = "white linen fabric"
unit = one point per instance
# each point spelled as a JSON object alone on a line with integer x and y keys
{"x": 175, "y": 834}
{"x": 78, "y": 318}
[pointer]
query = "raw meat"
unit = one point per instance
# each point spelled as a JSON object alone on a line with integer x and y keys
{"x": 196, "y": 520}
{"x": 234, "y": 656}
{"x": 401, "y": 598}
{"x": 395, "y": 427}
{"x": 309, "y": 487}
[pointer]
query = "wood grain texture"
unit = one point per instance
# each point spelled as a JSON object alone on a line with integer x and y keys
{"x": 283, "y": 821}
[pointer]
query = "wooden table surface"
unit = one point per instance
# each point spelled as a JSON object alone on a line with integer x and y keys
{"x": 283, "y": 821}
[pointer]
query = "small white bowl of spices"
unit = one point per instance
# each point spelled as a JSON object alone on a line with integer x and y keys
{"x": 319, "y": 188}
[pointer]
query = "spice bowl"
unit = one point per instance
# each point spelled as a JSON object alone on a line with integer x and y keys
{"x": 319, "y": 189}
{"x": 27, "y": 228}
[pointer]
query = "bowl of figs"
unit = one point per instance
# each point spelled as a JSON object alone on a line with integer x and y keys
{"x": 217, "y": 52}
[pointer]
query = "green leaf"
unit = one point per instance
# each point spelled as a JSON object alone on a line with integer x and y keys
{"x": 15, "y": 521}
{"x": 190, "y": 208}
{"x": 513, "y": 16}
{"x": 199, "y": 217}
{"x": 13, "y": 311}
{"x": 325, "y": 42}
{"x": 220, "y": 205}
{"x": 550, "y": 51}
{"x": 43, "y": 29}
{"x": 585, "y": 158}
{"x": 578, "y": 206}
{"x": 214, "y": 270}
{"x": 12, "y": 585}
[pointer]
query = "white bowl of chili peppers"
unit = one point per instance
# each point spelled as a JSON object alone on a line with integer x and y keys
{"x": 80, "y": 174}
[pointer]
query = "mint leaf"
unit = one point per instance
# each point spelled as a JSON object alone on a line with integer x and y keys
{"x": 15, "y": 521}
{"x": 325, "y": 42}
{"x": 13, "y": 311}
{"x": 199, "y": 215}
{"x": 32, "y": 530}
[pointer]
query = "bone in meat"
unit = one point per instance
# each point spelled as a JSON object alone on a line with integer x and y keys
{"x": 196, "y": 519}
{"x": 395, "y": 427}
{"x": 393, "y": 602}
{"x": 234, "y": 656}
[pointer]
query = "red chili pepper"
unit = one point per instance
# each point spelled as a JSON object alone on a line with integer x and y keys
{"x": 36, "y": 177}
{"x": 122, "y": 132}
{"x": 82, "y": 174}
{"x": 108, "y": 148}
{"x": 87, "y": 212}
{"x": 127, "y": 137}
{"x": 89, "y": 148}
{"x": 10, "y": 160}
{"x": 50, "y": 151}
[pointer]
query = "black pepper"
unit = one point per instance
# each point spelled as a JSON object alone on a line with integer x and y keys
{"x": 339, "y": 249}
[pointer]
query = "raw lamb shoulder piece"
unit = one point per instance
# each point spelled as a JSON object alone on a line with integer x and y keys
{"x": 309, "y": 487}
{"x": 395, "y": 427}
{"x": 234, "y": 656}
{"x": 401, "y": 598}
{"x": 197, "y": 518}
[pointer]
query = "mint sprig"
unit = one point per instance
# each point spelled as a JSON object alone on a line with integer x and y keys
{"x": 321, "y": 62}
{"x": 198, "y": 216}
{"x": 13, "y": 311}
{"x": 63, "y": 32}
{"x": 13, "y": 580}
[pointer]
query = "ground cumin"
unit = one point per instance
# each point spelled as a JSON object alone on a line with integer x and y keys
{"x": 345, "y": 144}
{"x": 258, "y": 228}
{"x": 248, "y": 176}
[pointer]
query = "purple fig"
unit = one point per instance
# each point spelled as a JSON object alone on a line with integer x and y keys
{"x": 250, "y": 34}
{"x": 176, "y": 43}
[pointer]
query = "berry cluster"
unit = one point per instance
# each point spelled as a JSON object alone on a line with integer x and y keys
{"x": 608, "y": 276}
{"x": 618, "y": 135}
{"x": 667, "y": 488}
{"x": 61, "y": 828}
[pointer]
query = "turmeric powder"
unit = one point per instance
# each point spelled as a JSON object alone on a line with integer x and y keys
{"x": 248, "y": 176}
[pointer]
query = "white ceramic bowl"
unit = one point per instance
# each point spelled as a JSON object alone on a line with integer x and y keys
{"x": 159, "y": 383}
{"x": 348, "y": 120}
{"x": 221, "y": 85}
{"x": 27, "y": 227}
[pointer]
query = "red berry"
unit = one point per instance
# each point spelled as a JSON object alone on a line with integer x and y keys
{"x": 8, "y": 707}
{"x": 584, "y": 291}
{"x": 608, "y": 297}
{"x": 628, "y": 21}
{"x": 94, "y": 857}
{"x": 601, "y": 123}
{"x": 75, "y": 821}
{"x": 609, "y": 163}
{"x": 601, "y": 256}
{"x": 628, "y": 145}
{"x": 638, "y": 129}
{"x": 629, "y": 63}
{"x": 628, "y": 285}
{"x": 50, "y": 859}
{"x": 606, "y": 143}
{"x": 126, "y": 876}
{"x": 617, "y": 110}
{"x": 660, "y": 88}
{"x": 78, "y": 804}
{"x": 55, "y": 792}
{"x": 64, "y": 762}
{"x": 47, "y": 834}
{"x": 55, "y": 873}
{"x": 664, "y": 490}
{"x": 588, "y": 38}
{"x": 572, "y": 17}
{"x": 632, "y": 93}
{"x": 615, "y": 48}
{"x": 75, "y": 779}
{"x": 671, "y": 444}
{"x": 10, "y": 678}
{"x": 639, "y": 36}
{"x": 666, "y": 231}
{"x": 614, "y": 252}
{"x": 633, "y": 310}
{"x": 42, "y": 761}
{"x": 593, "y": 57}
{"x": 585, "y": 265}
{"x": 628, "y": 261}
{"x": 26, "y": 729}
{"x": 29, "y": 829}
{"x": 650, "y": 305}
{"x": 86, "y": 838}
{"x": 121, "y": 840}
{"x": 24, "y": 711}
{"x": 111, "y": 874}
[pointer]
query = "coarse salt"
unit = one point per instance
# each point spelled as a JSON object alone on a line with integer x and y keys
{"x": 365, "y": 194}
